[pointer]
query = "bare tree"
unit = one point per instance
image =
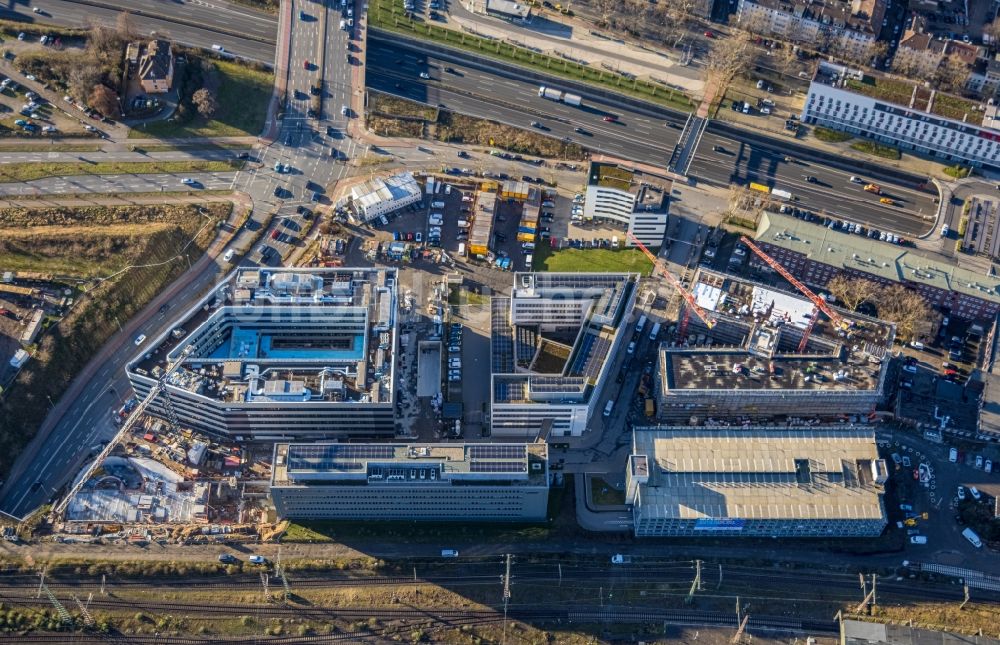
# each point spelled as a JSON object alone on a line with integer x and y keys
{"x": 951, "y": 75}
{"x": 125, "y": 26}
{"x": 911, "y": 66}
{"x": 788, "y": 60}
{"x": 729, "y": 56}
{"x": 992, "y": 30}
{"x": 205, "y": 102}
{"x": 103, "y": 99}
{"x": 606, "y": 9}
{"x": 852, "y": 292}
{"x": 81, "y": 79}
{"x": 903, "y": 306}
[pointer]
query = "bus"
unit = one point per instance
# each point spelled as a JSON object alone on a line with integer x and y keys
{"x": 641, "y": 324}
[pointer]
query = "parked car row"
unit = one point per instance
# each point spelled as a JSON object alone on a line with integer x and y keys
{"x": 455, "y": 353}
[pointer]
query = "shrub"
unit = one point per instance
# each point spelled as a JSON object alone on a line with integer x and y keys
{"x": 957, "y": 172}
{"x": 876, "y": 149}
{"x": 830, "y": 136}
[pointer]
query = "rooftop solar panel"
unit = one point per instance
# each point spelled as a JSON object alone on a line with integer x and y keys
{"x": 498, "y": 467}
{"x": 497, "y": 451}
{"x": 319, "y": 457}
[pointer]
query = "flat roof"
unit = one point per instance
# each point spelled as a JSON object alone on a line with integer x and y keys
{"x": 559, "y": 365}
{"x": 882, "y": 259}
{"x": 758, "y": 473}
{"x": 482, "y": 224}
{"x": 755, "y": 342}
{"x": 387, "y": 189}
{"x": 285, "y": 335}
{"x": 609, "y": 175}
{"x": 508, "y": 7}
{"x": 388, "y": 463}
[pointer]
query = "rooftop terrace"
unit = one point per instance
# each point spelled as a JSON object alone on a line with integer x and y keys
{"x": 609, "y": 175}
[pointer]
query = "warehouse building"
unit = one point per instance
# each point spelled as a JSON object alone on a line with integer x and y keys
{"x": 946, "y": 127}
{"x": 754, "y": 364}
{"x": 377, "y": 197}
{"x": 816, "y": 254}
{"x": 281, "y": 354}
{"x": 553, "y": 342}
{"x": 617, "y": 197}
{"x": 755, "y": 482}
{"x": 438, "y": 482}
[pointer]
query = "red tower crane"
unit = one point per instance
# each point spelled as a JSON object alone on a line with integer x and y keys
{"x": 692, "y": 304}
{"x": 820, "y": 304}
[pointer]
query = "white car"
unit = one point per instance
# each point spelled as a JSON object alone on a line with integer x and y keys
{"x": 218, "y": 48}
{"x": 953, "y": 455}
{"x": 30, "y": 77}
{"x": 424, "y": 75}
{"x": 918, "y": 539}
{"x": 961, "y": 492}
{"x": 187, "y": 181}
{"x": 343, "y": 110}
{"x": 976, "y": 495}
{"x": 140, "y": 339}
{"x": 258, "y": 559}
{"x": 228, "y": 257}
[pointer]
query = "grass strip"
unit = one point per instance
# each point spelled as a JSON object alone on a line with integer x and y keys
{"x": 31, "y": 171}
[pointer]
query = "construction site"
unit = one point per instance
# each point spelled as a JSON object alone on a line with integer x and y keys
{"x": 745, "y": 352}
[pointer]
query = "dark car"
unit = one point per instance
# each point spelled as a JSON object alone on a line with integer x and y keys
{"x": 583, "y": 132}
{"x": 463, "y": 154}
{"x": 450, "y": 70}
{"x": 243, "y": 155}
{"x": 811, "y": 179}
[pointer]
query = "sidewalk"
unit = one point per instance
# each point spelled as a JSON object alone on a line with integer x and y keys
{"x": 556, "y": 35}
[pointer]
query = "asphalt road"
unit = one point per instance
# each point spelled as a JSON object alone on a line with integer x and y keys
{"x": 515, "y": 102}
{"x": 118, "y": 184}
{"x": 644, "y": 137}
{"x": 43, "y": 156}
{"x": 240, "y": 30}
{"x": 833, "y": 193}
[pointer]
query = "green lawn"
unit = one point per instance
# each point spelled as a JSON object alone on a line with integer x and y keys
{"x": 878, "y": 150}
{"x": 591, "y": 260}
{"x": 30, "y": 171}
{"x": 831, "y": 136}
{"x": 244, "y": 94}
{"x": 603, "y": 493}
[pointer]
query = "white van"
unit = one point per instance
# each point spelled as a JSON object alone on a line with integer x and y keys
{"x": 608, "y": 407}
{"x": 971, "y": 536}
{"x": 654, "y": 332}
{"x": 463, "y": 223}
{"x": 449, "y": 553}
{"x": 639, "y": 326}
{"x": 447, "y": 189}
{"x": 916, "y": 344}
{"x": 437, "y": 204}
{"x": 461, "y": 248}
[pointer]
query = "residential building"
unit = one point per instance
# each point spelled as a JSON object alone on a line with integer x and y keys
{"x": 553, "y": 344}
{"x": 617, "y": 196}
{"x": 815, "y": 254}
{"x": 755, "y": 482}
{"x": 383, "y": 195}
{"x": 156, "y": 67}
{"x": 850, "y": 27}
{"x": 753, "y": 363}
{"x": 507, "y": 482}
{"x": 281, "y": 354}
{"x": 902, "y": 115}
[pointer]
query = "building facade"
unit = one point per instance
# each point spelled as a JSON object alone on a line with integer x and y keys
{"x": 377, "y": 197}
{"x": 755, "y": 482}
{"x": 615, "y": 196}
{"x": 816, "y": 254}
{"x": 281, "y": 354}
{"x": 920, "y": 128}
{"x": 850, "y": 28}
{"x": 156, "y": 68}
{"x": 553, "y": 343}
{"x": 429, "y": 482}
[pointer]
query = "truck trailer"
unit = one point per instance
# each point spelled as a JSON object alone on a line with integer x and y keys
{"x": 558, "y": 95}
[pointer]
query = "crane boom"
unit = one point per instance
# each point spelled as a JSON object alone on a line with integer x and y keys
{"x": 133, "y": 418}
{"x": 706, "y": 318}
{"x": 836, "y": 318}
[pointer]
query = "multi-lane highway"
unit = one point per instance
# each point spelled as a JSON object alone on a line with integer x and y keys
{"x": 111, "y": 184}
{"x": 646, "y": 136}
{"x": 238, "y": 29}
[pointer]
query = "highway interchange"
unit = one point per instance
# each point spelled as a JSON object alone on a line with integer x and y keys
{"x": 319, "y": 50}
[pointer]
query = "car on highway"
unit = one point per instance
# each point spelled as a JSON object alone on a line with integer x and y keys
{"x": 709, "y": 34}
{"x": 343, "y": 110}
{"x": 583, "y": 132}
{"x": 536, "y": 124}
{"x": 611, "y": 118}
{"x": 887, "y": 201}
{"x": 424, "y": 75}
{"x": 305, "y": 64}
{"x": 811, "y": 179}
{"x": 450, "y": 70}
{"x": 139, "y": 340}
{"x": 857, "y": 180}
{"x": 258, "y": 559}
{"x": 187, "y": 181}
{"x": 219, "y": 48}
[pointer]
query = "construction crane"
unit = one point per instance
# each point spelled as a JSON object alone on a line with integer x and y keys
{"x": 692, "y": 304}
{"x": 820, "y": 304}
{"x": 133, "y": 419}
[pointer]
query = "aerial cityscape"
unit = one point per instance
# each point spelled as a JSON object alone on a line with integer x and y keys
{"x": 500, "y": 321}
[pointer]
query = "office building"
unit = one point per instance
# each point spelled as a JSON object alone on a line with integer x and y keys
{"x": 754, "y": 364}
{"x": 553, "y": 344}
{"x": 281, "y": 354}
{"x": 815, "y": 254}
{"x": 755, "y": 482}
{"x": 617, "y": 196}
{"x": 381, "y": 196}
{"x": 903, "y": 115}
{"x": 442, "y": 482}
